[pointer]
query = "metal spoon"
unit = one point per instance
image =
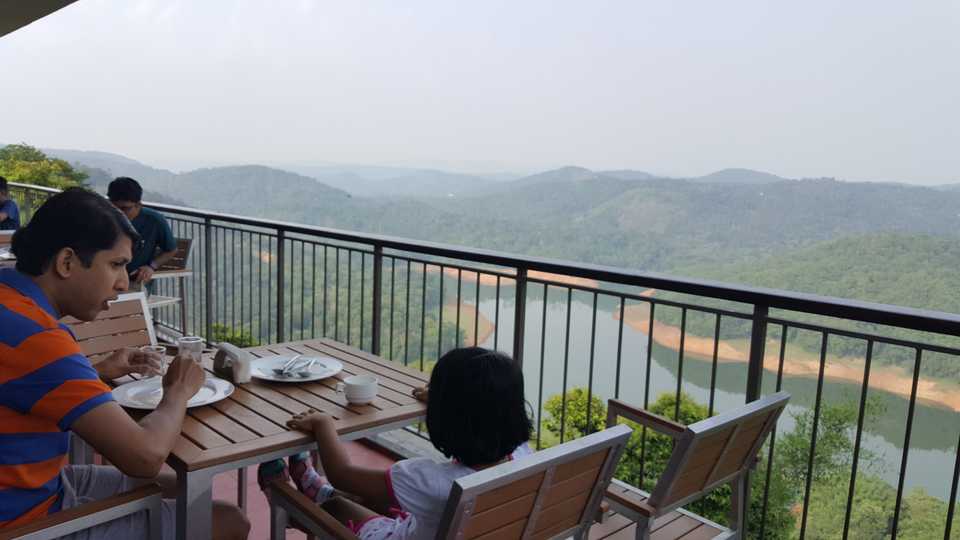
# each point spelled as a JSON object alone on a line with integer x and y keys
{"x": 285, "y": 370}
{"x": 304, "y": 372}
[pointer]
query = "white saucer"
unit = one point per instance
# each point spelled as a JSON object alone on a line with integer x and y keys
{"x": 146, "y": 393}
{"x": 262, "y": 368}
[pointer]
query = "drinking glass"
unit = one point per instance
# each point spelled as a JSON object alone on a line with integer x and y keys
{"x": 160, "y": 351}
{"x": 192, "y": 346}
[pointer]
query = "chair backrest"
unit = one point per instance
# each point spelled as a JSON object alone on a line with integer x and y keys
{"x": 180, "y": 258}
{"x": 715, "y": 451}
{"x": 126, "y": 323}
{"x": 552, "y": 492}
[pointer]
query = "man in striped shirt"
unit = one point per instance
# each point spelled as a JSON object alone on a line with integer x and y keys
{"x": 71, "y": 260}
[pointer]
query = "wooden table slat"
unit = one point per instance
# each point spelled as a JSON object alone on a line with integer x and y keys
{"x": 201, "y": 435}
{"x": 247, "y": 417}
{"x": 419, "y": 376}
{"x": 223, "y": 424}
{"x": 390, "y": 371}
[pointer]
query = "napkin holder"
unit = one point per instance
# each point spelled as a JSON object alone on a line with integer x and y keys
{"x": 232, "y": 363}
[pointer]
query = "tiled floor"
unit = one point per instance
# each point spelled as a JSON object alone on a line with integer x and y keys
{"x": 225, "y": 487}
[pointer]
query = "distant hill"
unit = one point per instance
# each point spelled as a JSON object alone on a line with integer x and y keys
{"x": 578, "y": 214}
{"x": 395, "y": 181}
{"x": 114, "y": 164}
{"x": 627, "y": 174}
{"x": 739, "y": 176}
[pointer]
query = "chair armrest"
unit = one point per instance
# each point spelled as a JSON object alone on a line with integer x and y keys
{"x": 639, "y": 507}
{"x": 305, "y": 509}
{"x": 617, "y": 408}
{"x": 88, "y": 510}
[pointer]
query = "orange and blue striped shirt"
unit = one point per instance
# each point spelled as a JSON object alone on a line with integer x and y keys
{"x": 45, "y": 384}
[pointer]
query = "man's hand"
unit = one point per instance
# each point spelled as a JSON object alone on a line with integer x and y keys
{"x": 143, "y": 274}
{"x": 421, "y": 393}
{"x": 309, "y": 420}
{"x": 127, "y": 361}
{"x": 183, "y": 379}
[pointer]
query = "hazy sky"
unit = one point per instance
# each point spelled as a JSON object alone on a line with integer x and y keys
{"x": 859, "y": 89}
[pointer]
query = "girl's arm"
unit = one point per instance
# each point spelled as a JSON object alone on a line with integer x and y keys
{"x": 368, "y": 483}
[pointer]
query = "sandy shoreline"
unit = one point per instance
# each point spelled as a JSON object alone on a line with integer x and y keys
{"x": 468, "y": 313}
{"x": 489, "y": 280}
{"x": 798, "y": 363}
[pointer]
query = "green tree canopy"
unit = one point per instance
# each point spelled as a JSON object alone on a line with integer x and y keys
{"x": 26, "y": 164}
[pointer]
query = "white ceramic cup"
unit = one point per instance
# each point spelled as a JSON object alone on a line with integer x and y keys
{"x": 360, "y": 389}
{"x": 160, "y": 351}
{"x": 191, "y": 346}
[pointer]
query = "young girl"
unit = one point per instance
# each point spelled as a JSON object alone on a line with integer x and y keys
{"x": 476, "y": 414}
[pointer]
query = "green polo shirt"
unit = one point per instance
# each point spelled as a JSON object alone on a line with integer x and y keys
{"x": 157, "y": 237}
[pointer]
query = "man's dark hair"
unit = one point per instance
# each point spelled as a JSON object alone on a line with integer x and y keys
{"x": 476, "y": 410}
{"x": 125, "y": 189}
{"x": 3, "y": 185}
{"x": 76, "y": 218}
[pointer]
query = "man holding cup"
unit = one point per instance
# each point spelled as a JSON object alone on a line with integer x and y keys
{"x": 71, "y": 260}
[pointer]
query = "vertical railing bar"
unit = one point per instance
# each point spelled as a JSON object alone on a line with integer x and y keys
{"x": 208, "y": 274}
{"x": 241, "y": 280}
{"x": 440, "y": 319}
{"x": 859, "y": 436}
{"x": 393, "y": 279}
{"x": 713, "y": 367}
{"x": 593, "y": 345}
{"x": 496, "y": 316}
{"x": 566, "y": 358}
{"x": 406, "y": 321}
{"x": 281, "y": 253}
{"x": 758, "y": 340}
{"x": 363, "y": 293}
{"x": 233, "y": 280}
{"x": 476, "y": 317}
{"x": 519, "y": 315}
{"x": 683, "y": 335}
{"x": 377, "y": 293}
{"x": 906, "y": 444}
{"x": 646, "y": 391}
{"x": 952, "y": 502}
{"x": 616, "y": 380}
{"x": 456, "y": 334}
{"x": 423, "y": 317}
{"x": 313, "y": 292}
{"x": 813, "y": 436}
{"x": 773, "y": 435}
{"x": 336, "y": 295}
{"x": 326, "y": 306}
{"x": 350, "y": 297}
{"x": 260, "y": 308}
{"x": 303, "y": 288}
{"x": 543, "y": 349}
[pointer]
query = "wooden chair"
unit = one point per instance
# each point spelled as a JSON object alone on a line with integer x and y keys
{"x": 554, "y": 493}
{"x": 146, "y": 498}
{"x": 127, "y": 323}
{"x": 175, "y": 268}
{"x": 716, "y": 451}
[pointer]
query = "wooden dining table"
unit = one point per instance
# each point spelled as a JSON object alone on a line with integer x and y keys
{"x": 249, "y": 427}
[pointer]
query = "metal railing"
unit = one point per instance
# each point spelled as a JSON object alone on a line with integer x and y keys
{"x": 261, "y": 281}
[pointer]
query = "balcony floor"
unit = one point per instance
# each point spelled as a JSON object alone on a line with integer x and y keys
{"x": 258, "y": 511}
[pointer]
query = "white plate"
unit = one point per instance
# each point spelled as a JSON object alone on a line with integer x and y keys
{"x": 262, "y": 368}
{"x": 146, "y": 393}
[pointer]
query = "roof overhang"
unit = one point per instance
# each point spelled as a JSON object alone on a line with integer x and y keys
{"x": 15, "y": 14}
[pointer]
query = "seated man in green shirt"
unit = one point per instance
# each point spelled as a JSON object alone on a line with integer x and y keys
{"x": 158, "y": 247}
